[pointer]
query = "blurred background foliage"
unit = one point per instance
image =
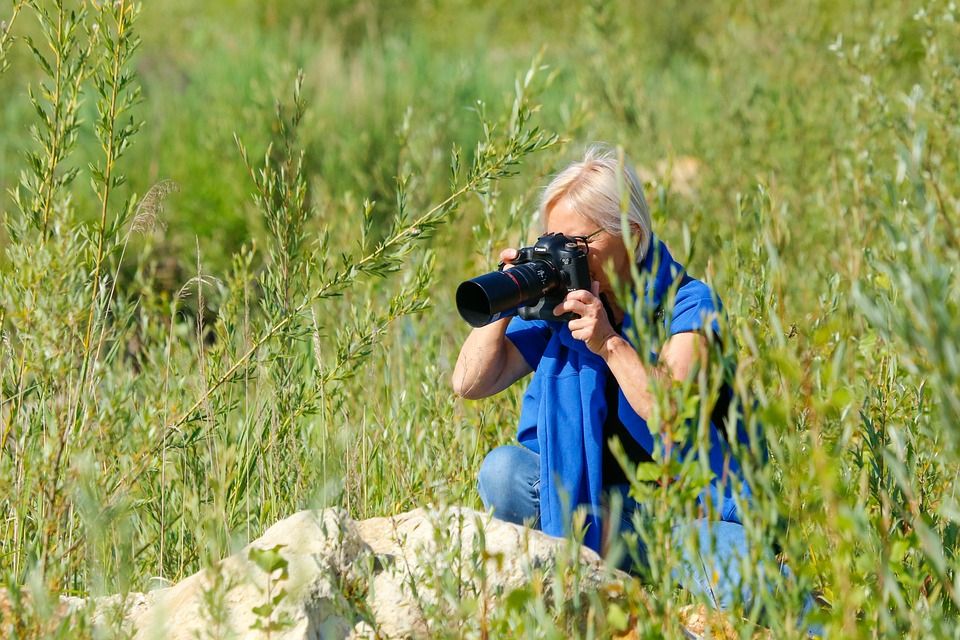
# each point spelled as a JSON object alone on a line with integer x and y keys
{"x": 801, "y": 157}
{"x": 663, "y": 81}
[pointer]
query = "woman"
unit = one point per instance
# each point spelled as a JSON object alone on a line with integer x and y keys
{"x": 589, "y": 382}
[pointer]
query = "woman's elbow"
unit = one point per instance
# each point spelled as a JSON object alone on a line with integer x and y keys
{"x": 460, "y": 386}
{"x": 469, "y": 387}
{"x": 457, "y": 384}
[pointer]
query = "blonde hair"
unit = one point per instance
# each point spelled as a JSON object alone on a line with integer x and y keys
{"x": 590, "y": 187}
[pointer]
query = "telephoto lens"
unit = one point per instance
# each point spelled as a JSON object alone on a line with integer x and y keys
{"x": 499, "y": 294}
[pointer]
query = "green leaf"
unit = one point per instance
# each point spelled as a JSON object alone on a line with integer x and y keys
{"x": 269, "y": 560}
{"x": 649, "y": 472}
{"x": 617, "y": 618}
{"x": 518, "y": 598}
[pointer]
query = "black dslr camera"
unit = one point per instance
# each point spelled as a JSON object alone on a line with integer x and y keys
{"x": 539, "y": 280}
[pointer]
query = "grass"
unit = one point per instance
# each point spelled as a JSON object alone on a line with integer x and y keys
{"x": 181, "y": 368}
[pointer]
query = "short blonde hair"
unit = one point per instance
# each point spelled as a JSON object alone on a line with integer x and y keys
{"x": 590, "y": 188}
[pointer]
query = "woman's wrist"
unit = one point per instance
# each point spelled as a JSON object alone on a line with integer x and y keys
{"x": 613, "y": 346}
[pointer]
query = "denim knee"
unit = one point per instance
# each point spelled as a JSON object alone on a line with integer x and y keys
{"x": 712, "y": 570}
{"x": 509, "y": 483}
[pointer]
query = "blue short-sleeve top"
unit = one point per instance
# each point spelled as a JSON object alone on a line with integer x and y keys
{"x": 695, "y": 308}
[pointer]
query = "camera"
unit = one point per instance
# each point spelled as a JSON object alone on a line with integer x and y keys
{"x": 537, "y": 282}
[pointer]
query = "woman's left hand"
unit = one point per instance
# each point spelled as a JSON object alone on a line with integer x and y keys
{"x": 593, "y": 326}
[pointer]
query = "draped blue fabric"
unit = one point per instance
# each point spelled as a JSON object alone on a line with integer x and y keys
{"x": 564, "y": 408}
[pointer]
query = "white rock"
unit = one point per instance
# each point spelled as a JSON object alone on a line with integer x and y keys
{"x": 375, "y": 578}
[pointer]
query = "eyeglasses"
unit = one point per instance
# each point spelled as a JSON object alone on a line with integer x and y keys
{"x": 588, "y": 238}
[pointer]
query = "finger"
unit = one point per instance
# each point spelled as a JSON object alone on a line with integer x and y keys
{"x": 582, "y": 295}
{"x": 509, "y": 255}
{"x": 584, "y": 335}
{"x": 574, "y": 306}
{"x": 578, "y": 324}
{"x": 595, "y": 288}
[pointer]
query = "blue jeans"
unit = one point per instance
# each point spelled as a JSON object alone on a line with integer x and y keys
{"x": 509, "y": 484}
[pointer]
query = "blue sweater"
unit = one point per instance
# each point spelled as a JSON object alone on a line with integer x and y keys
{"x": 564, "y": 408}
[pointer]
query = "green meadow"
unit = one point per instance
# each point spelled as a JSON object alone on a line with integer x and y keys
{"x": 232, "y": 232}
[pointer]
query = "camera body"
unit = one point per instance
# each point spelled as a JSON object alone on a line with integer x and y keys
{"x": 537, "y": 281}
{"x": 560, "y": 264}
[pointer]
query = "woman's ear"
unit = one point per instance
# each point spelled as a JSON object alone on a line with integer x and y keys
{"x": 637, "y": 233}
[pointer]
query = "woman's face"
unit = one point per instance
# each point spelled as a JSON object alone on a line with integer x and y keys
{"x": 607, "y": 251}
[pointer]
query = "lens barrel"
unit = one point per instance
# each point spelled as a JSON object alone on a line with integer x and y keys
{"x": 499, "y": 294}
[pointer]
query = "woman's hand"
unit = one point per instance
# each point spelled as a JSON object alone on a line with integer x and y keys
{"x": 593, "y": 326}
{"x": 507, "y": 256}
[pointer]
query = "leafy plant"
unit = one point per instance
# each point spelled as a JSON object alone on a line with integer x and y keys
{"x": 271, "y": 562}
{"x": 179, "y": 371}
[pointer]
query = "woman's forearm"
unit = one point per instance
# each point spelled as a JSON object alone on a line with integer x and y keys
{"x": 481, "y": 362}
{"x": 631, "y": 374}
{"x": 680, "y": 356}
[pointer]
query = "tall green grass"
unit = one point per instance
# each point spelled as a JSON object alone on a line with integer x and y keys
{"x": 232, "y": 237}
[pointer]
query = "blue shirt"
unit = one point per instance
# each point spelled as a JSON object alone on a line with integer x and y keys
{"x": 695, "y": 308}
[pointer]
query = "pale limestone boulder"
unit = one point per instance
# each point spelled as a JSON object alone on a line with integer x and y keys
{"x": 320, "y": 548}
{"x": 421, "y": 543}
{"x": 375, "y": 578}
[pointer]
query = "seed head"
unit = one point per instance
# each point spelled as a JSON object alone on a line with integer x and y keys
{"x": 148, "y": 211}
